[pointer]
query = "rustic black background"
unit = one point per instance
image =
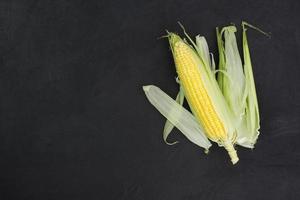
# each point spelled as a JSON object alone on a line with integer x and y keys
{"x": 75, "y": 123}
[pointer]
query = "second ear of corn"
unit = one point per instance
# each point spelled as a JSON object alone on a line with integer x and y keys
{"x": 226, "y": 108}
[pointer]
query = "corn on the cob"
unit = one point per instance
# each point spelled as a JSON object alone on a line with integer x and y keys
{"x": 201, "y": 103}
{"x": 224, "y": 110}
{"x": 196, "y": 93}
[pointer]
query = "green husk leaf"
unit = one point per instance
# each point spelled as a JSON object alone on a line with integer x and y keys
{"x": 237, "y": 84}
{"x": 168, "y": 125}
{"x": 221, "y": 50}
{"x": 232, "y": 79}
{"x": 250, "y": 130}
{"x": 177, "y": 115}
{"x": 203, "y": 51}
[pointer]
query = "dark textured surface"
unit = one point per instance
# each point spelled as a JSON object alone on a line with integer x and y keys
{"x": 75, "y": 123}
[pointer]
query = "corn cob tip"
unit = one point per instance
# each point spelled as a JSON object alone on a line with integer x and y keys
{"x": 173, "y": 38}
{"x": 231, "y": 152}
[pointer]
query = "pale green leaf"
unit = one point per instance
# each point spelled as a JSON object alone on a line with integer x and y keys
{"x": 177, "y": 115}
{"x": 250, "y": 132}
{"x": 168, "y": 125}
